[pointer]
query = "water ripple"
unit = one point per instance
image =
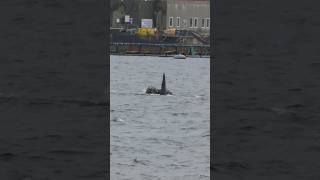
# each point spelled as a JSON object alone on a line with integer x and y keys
{"x": 159, "y": 137}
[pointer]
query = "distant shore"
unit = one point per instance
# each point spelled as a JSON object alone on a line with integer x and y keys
{"x": 157, "y": 55}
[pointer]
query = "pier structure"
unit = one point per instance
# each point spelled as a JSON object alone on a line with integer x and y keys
{"x": 118, "y": 48}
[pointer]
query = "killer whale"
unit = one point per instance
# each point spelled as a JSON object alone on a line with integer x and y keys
{"x": 162, "y": 91}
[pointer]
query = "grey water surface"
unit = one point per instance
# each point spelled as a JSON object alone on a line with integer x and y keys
{"x": 159, "y": 137}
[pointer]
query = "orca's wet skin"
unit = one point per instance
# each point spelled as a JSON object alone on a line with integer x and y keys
{"x": 162, "y": 91}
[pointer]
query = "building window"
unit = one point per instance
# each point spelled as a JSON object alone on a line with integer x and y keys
{"x": 190, "y": 22}
{"x": 170, "y": 21}
{"x": 203, "y": 22}
{"x": 195, "y": 22}
{"x": 178, "y": 21}
{"x": 208, "y": 23}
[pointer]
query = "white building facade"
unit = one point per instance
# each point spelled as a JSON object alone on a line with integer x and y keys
{"x": 188, "y": 15}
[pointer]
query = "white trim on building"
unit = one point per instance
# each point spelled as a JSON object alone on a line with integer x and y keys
{"x": 208, "y": 23}
{"x": 178, "y": 22}
{"x": 203, "y": 23}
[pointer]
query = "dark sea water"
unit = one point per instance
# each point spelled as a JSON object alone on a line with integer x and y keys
{"x": 160, "y": 137}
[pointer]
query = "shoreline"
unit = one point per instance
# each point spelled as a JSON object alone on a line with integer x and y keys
{"x": 157, "y": 55}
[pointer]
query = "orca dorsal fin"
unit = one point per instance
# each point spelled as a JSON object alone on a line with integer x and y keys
{"x": 163, "y": 89}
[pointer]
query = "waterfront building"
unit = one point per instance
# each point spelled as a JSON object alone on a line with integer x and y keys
{"x": 193, "y": 15}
